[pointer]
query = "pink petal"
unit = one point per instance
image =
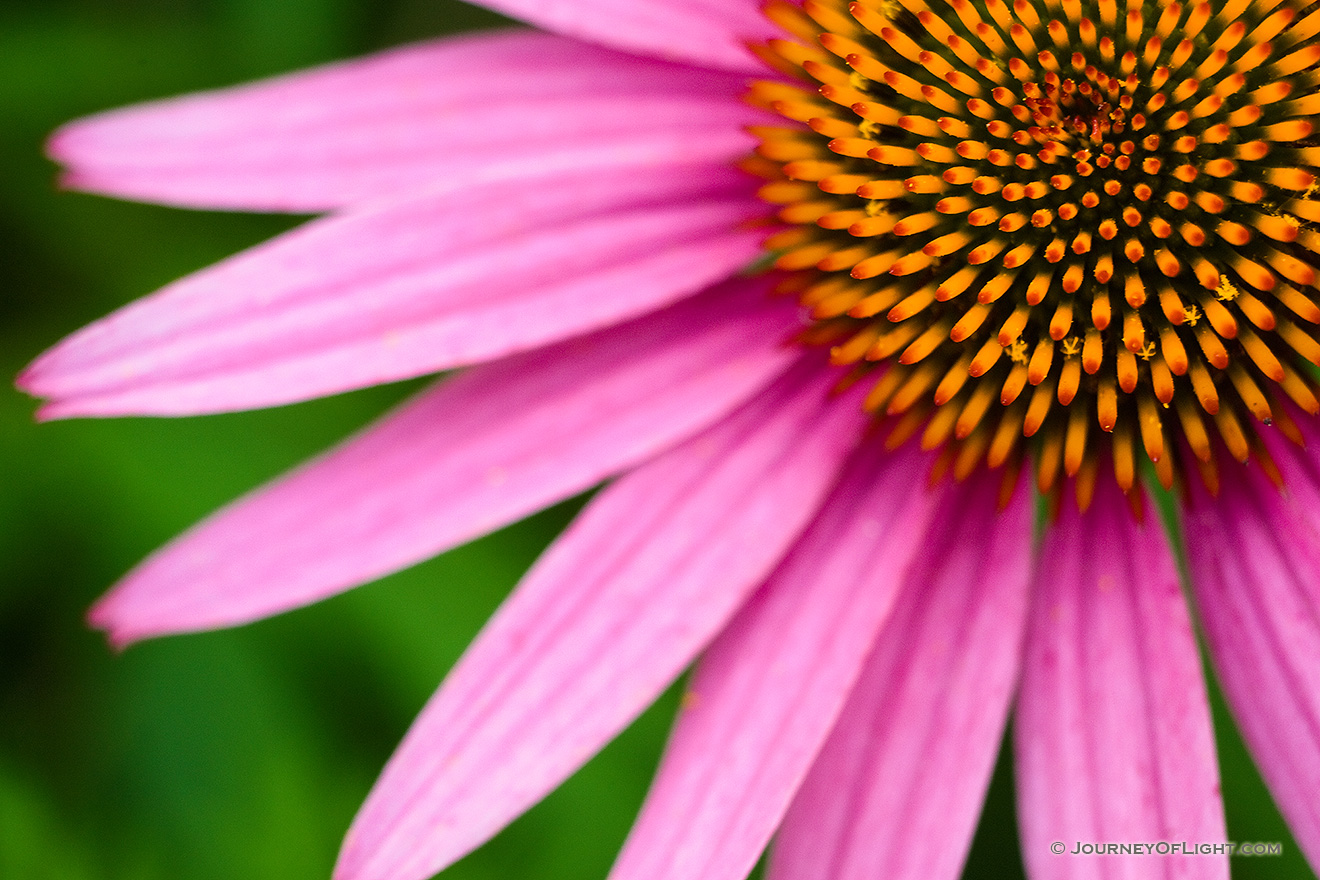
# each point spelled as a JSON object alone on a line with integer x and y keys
{"x": 1299, "y": 467}
{"x": 475, "y": 453}
{"x": 427, "y": 285}
{"x": 767, "y": 692}
{"x": 897, "y": 790}
{"x": 713, "y": 33}
{"x": 1113, "y": 735}
{"x": 503, "y": 104}
{"x": 654, "y": 567}
{"x": 1254, "y": 555}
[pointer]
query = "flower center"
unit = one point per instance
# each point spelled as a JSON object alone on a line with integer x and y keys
{"x": 1064, "y": 232}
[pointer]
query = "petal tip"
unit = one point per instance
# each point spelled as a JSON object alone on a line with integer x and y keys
{"x": 41, "y": 377}
{"x": 70, "y": 180}
{"x": 57, "y": 147}
{"x": 100, "y": 617}
{"x": 54, "y": 411}
{"x": 29, "y": 379}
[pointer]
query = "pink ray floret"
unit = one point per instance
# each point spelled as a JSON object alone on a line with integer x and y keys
{"x": 423, "y": 116}
{"x": 473, "y": 454}
{"x": 897, "y": 788}
{"x": 418, "y": 286}
{"x": 634, "y": 579}
{"x": 1113, "y": 732}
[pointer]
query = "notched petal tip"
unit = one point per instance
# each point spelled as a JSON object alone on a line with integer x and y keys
{"x": 50, "y": 408}
{"x": 67, "y": 180}
{"x": 61, "y": 146}
{"x": 73, "y": 180}
{"x": 74, "y": 148}
{"x": 101, "y": 617}
{"x": 51, "y": 412}
{"x": 40, "y": 377}
{"x": 29, "y": 382}
{"x": 27, "y": 378}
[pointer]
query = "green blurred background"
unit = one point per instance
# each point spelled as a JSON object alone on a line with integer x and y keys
{"x": 244, "y": 754}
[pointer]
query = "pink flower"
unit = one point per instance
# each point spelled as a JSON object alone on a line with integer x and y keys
{"x": 565, "y": 220}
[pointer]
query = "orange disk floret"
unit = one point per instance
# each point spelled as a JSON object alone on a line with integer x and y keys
{"x": 1058, "y": 236}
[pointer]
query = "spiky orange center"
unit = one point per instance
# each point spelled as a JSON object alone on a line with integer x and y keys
{"x": 1061, "y": 230}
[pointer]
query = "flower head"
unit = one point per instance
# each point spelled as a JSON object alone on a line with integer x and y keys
{"x": 1093, "y": 218}
{"x": 1052, "y": 235}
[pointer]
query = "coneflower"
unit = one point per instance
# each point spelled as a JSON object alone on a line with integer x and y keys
{"x": 1076, "y": 229}
{"x": 1066, "y": 237}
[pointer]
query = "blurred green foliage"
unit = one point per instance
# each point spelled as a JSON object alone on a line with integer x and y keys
{"x": 244, "y": 753}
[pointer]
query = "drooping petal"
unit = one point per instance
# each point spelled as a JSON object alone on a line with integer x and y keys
{"x": 897, "y": 790}
{"x": 767, "y": 692}
{"x": 505, "y": 104}
{"x": 1254, "y": 554}
{"x": 651, "y": 570}
{"x": 1113, "y": 735}
{"x": 712, "y": 33}
{"x": 417, "y": 287}
{"x": 471, "y": 455}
